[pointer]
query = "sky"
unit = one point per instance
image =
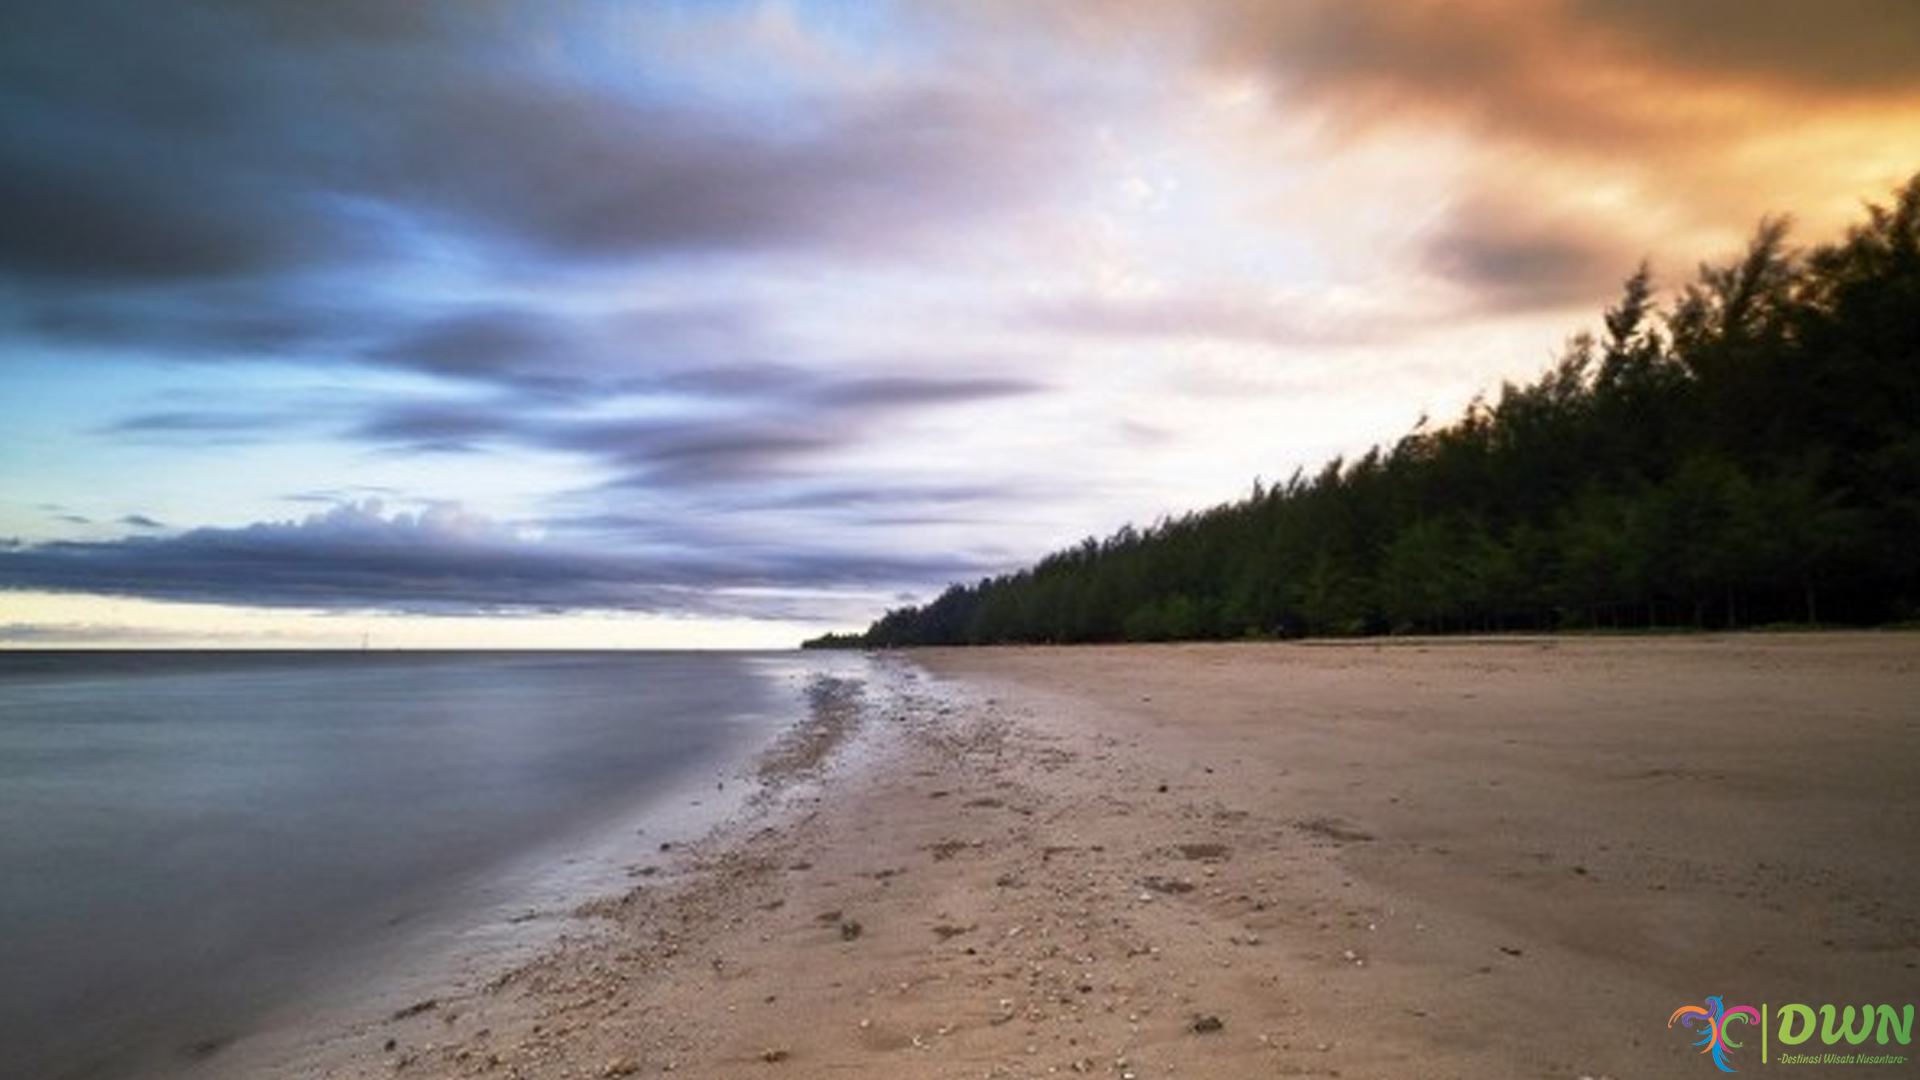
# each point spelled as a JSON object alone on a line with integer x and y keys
{"x": 717, "y": 324}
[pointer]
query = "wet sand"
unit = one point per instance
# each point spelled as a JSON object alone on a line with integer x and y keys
{"x": 1413, "y": 859}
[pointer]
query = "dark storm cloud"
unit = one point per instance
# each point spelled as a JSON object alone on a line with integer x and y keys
{"x": 87, "y": 212}
{"x": 201, "y": 140}
{"x": 435, "y": 561}
{"x": 156, "y": 142}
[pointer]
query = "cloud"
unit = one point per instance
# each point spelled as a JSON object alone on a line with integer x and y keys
{"x": 1510, "y": 256}
{"x": 659, "y": 454}
{"x": 528, "y": 347}
{"x": 567, "y": 172}
{"x": 689, "y": 430}
{"x": 1370, "y": 64}
{"x": 515, "y": 345}
{"x": 203, "y": 424}
{"x": 774, "y": 439}
{"x": 71, "y": 212}
{"x": 1837, "y": 47}
{"x": 540, "y": 345}
{"x": 71, "y": 634}
{"x": 157, "y": 142}
{"x": 1684, "y": 120}
{"x": 439, "y": 426}
{"x": 833, "y": 511}
{"x": 207, "y": 140}
{"x": 886, "y": 392}
{"x": 269, "y": 319}
{"x": 441, "y": 560}
{"x": 865, "y": 500}
{"x": 1576, "y": 136}
{"x": 1325, "y": 319}
{"x": 331, "y": 497}
{"x": 1592, "y": 73}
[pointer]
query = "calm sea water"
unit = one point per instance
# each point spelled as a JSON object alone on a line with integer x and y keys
{"x": 188, "y": 840}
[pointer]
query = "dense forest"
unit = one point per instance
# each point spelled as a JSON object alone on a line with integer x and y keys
{"x": 1743, "y": 452}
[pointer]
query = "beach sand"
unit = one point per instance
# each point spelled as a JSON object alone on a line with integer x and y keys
{"x": 1412, "y": 859}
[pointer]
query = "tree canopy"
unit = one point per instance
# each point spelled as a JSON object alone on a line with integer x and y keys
{"x": 1746, "y": 453}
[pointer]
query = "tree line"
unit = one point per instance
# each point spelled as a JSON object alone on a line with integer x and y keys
{"x": 1744, "y": 452}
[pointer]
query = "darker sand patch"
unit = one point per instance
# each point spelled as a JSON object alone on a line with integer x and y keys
{"x": 1335, "y": 829}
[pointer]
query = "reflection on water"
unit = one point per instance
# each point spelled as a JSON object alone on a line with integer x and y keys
{"x": 188, "y": 837}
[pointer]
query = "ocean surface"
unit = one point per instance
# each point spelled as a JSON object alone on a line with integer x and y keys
{"x": 191, "y": 840}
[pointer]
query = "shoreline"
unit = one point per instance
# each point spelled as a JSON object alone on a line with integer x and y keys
{"x": 1435, "y": 858}
{"x": 469, "y": 929}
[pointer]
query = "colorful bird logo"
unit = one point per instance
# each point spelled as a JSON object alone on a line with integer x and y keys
{"x": 1717, "y": 1016}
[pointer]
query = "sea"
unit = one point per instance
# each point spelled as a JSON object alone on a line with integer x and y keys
{"x": 191, "y": 843}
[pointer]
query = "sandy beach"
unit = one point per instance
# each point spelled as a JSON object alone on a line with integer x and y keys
{"x": 1439, "y": 858}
